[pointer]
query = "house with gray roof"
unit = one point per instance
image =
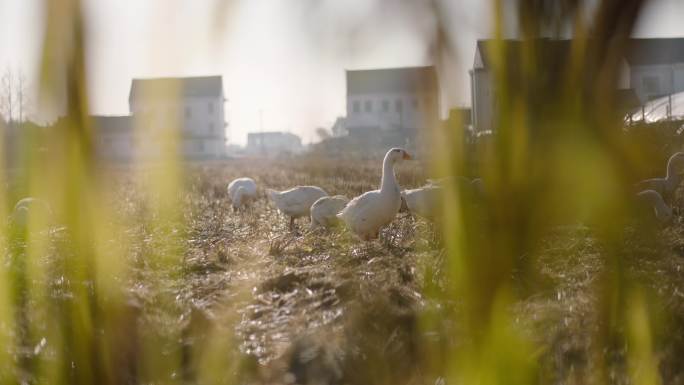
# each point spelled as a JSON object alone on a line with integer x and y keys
{"x": 653, "y": 68}
{"x": 400, "y": 102}
{"x": 656, "y": 67}
{"x": 192, "y": 105}
{"x": 273, "y": 144}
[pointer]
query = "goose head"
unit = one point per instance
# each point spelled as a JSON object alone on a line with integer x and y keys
{"x": 238, "y": 197}
{"x": 396, "y": 155}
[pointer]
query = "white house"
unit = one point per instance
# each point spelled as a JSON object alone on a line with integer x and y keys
{"x": 273, "y": 144}
{"x": 656, "y": 67}
{"x": 399, "y": 100}
{"x": 482, "y": 82}
{"x": 194, "y": 105}
{"x": 653, "y": 68}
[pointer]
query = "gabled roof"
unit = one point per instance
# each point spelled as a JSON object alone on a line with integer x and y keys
{"x": 640, "y": 52}
{"x": 204, "y": 86}
{"x": 392, "y": 80}
{"x": 656, "y": 51}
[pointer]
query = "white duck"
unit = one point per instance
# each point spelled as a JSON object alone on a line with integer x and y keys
{"x": 366, "y": 214}
{"x": 242, "y": 191}
{"x": 296, "y": 202}
{"x": 324, "y": 210}
{"x": 424, "y": 201}
{"x": 653, "y": 201}
{"x": 666, "y": 186}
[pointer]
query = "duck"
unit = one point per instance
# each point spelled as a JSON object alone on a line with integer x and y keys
{"x": 242, "y": 191}
{"x": 366, "y": 214}
{"x": 652, "y": 200}
{"x": 31, "y": 206}
{"x": 667, "y": 185}
{"x": 296, "y": 202}
{"x": 324, "y": 211}
{"x": 424, "y": 201}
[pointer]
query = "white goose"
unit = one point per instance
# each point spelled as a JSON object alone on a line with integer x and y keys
{"x": 666, "y": 186}
{"x": 324, "y": 211}
{"x": 28, "y": 207}
{"x": 366, "y": 214}
{"x": 424, "y": 201}
{"x": 242, "y": 191}
{"x": 651, "y": 200}
{"x": 296, "y": 202}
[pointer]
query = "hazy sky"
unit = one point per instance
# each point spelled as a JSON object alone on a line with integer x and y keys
{"x": 285, "y": 57}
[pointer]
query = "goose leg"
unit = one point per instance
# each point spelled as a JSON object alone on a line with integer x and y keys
{"x": 291, "y": 223}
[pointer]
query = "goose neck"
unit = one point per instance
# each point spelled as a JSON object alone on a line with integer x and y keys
{"x": 388, "y": 182}
{"x": 673, "y": 176}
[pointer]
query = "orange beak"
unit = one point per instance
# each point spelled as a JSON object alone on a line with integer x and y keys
{"x": 407, "y": 156}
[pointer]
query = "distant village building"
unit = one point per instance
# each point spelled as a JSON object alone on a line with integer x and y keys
{"x": 114, "y": 135}
{"x": 339, "y": 128}
{"x": 400, "y": 102}
{"x": 653, "y": 68}
{"x": 271, "y": 144}
{"x": 193, "y": 105}
{"x": 656, "y": 67}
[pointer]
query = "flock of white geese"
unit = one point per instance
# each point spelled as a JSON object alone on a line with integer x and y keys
{"x": 364, "y": 215}
{"x": 659, "y": 193}
{"x": 368, "y": 213}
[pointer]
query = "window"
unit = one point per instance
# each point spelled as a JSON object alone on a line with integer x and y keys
{"x": 188, "y": 112}
{"x": 211, "y": 108}
{"x": 356, "y": 106}
{"x": 651, "y": 84}
{"x": 385, "y": 106}
{"x": 211, "y": 127}
{"x": 368, "y": 106}
{"x": 398, "y": 106}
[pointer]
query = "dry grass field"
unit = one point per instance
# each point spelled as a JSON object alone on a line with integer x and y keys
{"x": 251, "y": 302}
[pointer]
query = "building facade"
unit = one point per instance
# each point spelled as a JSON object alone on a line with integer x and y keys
{"x": 656, "y": 67}
{"x": 401, "y": 101}
{"x": 652, "y": 68}
{"x": 272, "y": 144}
{"x": 194, "y": 106}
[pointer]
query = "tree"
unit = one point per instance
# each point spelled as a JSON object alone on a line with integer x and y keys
{"x": 13, "y": 96}
{"x": 21, "y": 95}
{"x": 322, "y": 133}
{"x": 7, "y": 95}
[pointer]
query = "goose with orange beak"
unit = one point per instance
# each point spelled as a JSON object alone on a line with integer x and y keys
{"x": 366, "y": 214}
